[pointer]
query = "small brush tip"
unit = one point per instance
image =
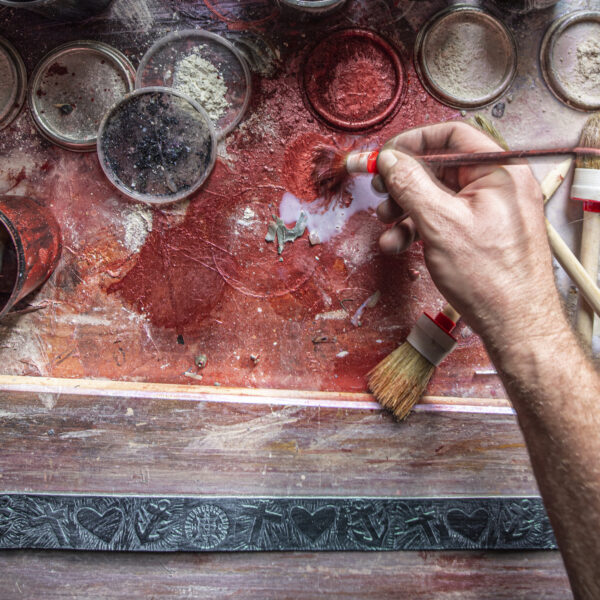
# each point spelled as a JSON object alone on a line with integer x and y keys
{"x": 329, "y": 169}
{"x": 590, "y": 138}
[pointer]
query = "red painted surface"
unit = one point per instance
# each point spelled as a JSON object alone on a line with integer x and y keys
{"x": 206, "y": 277}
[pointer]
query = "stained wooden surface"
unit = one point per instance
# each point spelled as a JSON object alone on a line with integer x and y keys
{"x": 58, "y": 441}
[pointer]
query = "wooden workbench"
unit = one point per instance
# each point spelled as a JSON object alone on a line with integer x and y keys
{"x": 95, "y": 396}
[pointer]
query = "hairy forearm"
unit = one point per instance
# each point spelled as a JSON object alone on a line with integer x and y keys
{"x": 556, "y": 393}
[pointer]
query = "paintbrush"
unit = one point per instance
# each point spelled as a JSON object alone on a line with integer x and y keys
{"x": 331, "y": 165}
{"x": 586, "y": 188}
{"x": 400, "y": 380}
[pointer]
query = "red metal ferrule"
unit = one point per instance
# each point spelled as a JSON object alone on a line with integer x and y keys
{"x": 372, "y": 162}
{"x": 590, "y": 205}
{"x": 442, "y": 321}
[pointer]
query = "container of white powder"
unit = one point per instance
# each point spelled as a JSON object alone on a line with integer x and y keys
{"x": 204, "y": 67}
{"x": 13, "y": 83}
{"x": 570, "y": 59}
{"x": 465, "y": 57}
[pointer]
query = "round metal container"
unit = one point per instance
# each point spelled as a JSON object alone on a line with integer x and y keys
{"x": 353, "y": 80}
{"x": 570, "y": 59}
{"x": 314, "y": 7}
{"x": 465, "y": 57}
{"x": 157, "y": 145}
{"x": 61, "y": 9}
{"x": 73, "y": 87}
{"x": 159, "y": 68}
{"x": 13, "y": 83}
{"x": 523, "y": 6}
{"x": 31, "y": 242}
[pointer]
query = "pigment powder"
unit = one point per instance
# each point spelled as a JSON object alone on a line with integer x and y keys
{"x": 576, "y": 63}
{"x": 156, "y": 146}
{"x": 466, "y": 56}
{"x": 200, "y": 80}
{"x": 353, "y": 79}
{"x": 72, "y": 90}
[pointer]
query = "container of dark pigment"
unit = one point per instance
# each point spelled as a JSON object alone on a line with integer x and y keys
{"x": 61, "y": 10}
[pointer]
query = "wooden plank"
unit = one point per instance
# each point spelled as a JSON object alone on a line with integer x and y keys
{"x": 54, "y": 442}
{"x": 293, "y": 576}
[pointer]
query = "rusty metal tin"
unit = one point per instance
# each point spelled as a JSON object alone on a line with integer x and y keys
{"x": 31, "y": 244}
{"x": 73, "y": 87}
{"x": 61, "y": 9}
{"x": 13, "y": 83}
{"x": 564, "y": 61}
{"x": 465, "y": 57}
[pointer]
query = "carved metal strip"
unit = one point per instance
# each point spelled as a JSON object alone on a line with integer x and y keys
{"x": 169, "y": 524}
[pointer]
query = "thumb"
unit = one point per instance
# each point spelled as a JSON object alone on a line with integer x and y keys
{"x": 411, "y": 185}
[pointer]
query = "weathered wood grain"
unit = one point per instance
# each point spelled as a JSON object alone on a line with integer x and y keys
{"x": 337, "y": 576}
{"x": 88, "y": 443}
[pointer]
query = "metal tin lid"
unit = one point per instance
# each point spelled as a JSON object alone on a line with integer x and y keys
{"x": 465, "y": 57}
{"x": 13, "y": 83}
{"x": 570, "y": 59}
{"x": 73, "y": 87}
{"x": 205, "y": 67}
{"x": 157, "y": 145}
{"x": 353, "y": 79}
{"x": 317, "y": 7}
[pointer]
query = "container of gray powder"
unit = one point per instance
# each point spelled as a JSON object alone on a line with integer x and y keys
{"x": 13, "y": 83}
{"x": 570, "y": 59}
{"x": 465, "y": 57}
{"x": 206, "y": 68}
{"x": 157, "y": 146}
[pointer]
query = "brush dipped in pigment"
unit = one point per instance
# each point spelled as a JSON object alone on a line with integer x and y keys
{"x": 331, "y": 165}
{"x": 586, "y": 189}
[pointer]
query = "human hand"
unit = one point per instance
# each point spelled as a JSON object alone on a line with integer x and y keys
{"x": 482, "y": 228}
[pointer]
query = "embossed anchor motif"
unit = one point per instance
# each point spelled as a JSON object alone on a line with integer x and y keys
{"x": 102, "y": 525}
{"x": 469, "y": 525}
{"x": 313, "y": 525}
{"x": 369, "y": 525}
{"x": 150, "y": 521}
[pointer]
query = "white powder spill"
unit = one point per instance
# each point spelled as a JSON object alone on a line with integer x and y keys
{"x": 7, "y": 81}
{"x": 467, "y": 58}
{"x": 134, "y": 13}
{"x": 138, "y": 224}
{"x": 330, "y": 222}
{"x": 200, "y": 79}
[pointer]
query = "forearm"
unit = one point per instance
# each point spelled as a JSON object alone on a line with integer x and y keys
{"x": 556, "y": 393}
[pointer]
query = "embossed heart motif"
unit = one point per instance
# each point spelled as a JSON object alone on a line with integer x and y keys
{"x": 102, "y": 525}
{"x": 313, "y": 525}
{"x": 470, "y": 525}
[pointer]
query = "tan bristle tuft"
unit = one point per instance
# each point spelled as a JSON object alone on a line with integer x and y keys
{"x": 329, "y": 169}
{"x": 399, "y": 381}
{"x": 590, "y": 138}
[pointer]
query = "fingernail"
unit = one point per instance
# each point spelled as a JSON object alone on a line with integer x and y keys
{"x": 386, "y": 160}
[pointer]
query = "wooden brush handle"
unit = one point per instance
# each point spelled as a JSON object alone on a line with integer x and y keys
{"x": 478, "y": 158}
{"x": 588, "y": 256}
{"x": 568, "y": 261}
{"x": 450, "y": 312}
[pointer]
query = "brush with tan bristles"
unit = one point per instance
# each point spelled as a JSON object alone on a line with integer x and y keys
{"x": 586, "y": 188}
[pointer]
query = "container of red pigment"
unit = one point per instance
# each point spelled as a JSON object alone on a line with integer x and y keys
{"x": 353, "y": 80}
{"x": 30, "y": 244}
{"x": 71, "y": 10}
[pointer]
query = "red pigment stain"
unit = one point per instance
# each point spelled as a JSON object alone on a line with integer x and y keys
{"x": 350, "y": 77}
{"x": 57, "y": 69}
{"x": 174, "y": 281}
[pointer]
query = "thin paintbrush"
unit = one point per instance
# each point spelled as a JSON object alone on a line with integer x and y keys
{"x": 332, "y": 165}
